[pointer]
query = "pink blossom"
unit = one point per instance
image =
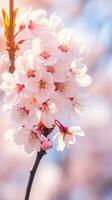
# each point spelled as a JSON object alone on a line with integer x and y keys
{"x": 46, "y": 51}
{"x": 66, "y": 89}
{"x": 45, "y": 84}
{"x": 23, "y": 115}
{"x": 69, "y": 46}
{"x": 43, "y": 88}
{"x": 28, "y": 138}
{"x": 58, "y": 71}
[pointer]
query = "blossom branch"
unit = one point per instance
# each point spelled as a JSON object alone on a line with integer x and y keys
{"x": 46, "y": 81}
{"x": 33, "y": 171}
{"x": 11, "y": 38}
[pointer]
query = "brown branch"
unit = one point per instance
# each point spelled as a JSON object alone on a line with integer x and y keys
{"x": 33, "y": 172}
{"x": 11, "y": 39}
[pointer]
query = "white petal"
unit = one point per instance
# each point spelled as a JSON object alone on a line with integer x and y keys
{"x": 79, "y": 68}
{"x": 52, "y": 108}
{"x": 7, "y": 76}
{"x": 48, "y": 119}
{"x": 84, "y": 80}
{"x": 78, "y": 109}
{"x": 39, "y": 115}
{"x": 73, "y": 141}
{"x": 76, "y": 130}
{"x": 21, "y": 136}
{"x": 7, "y": 107}
{"x": 36, "y": 46}
{"x": 61, "y": 143}
{"x": 38, "y": 14}
{"x": 9, "y": 135}
{"x": 8, "y": 83}
{"x": 59, "y": 77}
{"x": 31, "y": 147}
{"x": 69, "y": 139}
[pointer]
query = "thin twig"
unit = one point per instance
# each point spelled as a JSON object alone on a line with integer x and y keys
{"x": 39, "y": 156}
{"x": 33, "y": 171}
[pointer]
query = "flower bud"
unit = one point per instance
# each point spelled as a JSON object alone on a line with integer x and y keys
{"x": 46, "y": 144}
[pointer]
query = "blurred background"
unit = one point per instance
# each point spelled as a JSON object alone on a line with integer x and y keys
{"x": 84, "y": 171}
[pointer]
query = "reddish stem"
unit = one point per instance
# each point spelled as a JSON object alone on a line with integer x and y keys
{"x": 11, "y": 39}
{"x": 60, "y": 126}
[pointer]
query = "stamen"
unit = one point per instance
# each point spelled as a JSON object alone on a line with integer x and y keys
{"x": 42, "y": 84}
{"x": 30, "y": 73}
{"x": 45, "y": 54}
{"x": 30, "y": 25}
{"x": 60, "y": 86}
{"x": 32, "y": 137}
{"x": 23, "y": 111}
{"x": 63, "y": 48}
{"x": 19, "y": 88}
{"x": 50, "y": 69}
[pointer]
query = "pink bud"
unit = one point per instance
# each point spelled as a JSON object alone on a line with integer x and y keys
{"x": 46, "y": 144}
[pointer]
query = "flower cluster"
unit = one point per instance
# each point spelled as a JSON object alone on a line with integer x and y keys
{"x": 46, "y": 81}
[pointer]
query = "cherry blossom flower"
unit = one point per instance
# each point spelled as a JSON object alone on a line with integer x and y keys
{"x": 28, "y": 138}
{"x": 67, "y": 136}
{"x": 79, "y": 72}
{"x": 58, "y": 71}
{"x": 48, "y": 53}
{"x": 55, "y": 22}
{"x": 69, "y": 46}
{"x": 13, "y": 88}
{"x": 31, "y": 20}
{"x": 21, "y": 115}
{"x": 76, "y": 105}
{"x": 43, "y": 88}
{"x": 46, "y": 114}
{"x": 30, "y": 68}
{"x": 66, "y": 89}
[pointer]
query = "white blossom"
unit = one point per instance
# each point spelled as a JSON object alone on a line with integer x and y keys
{"x": 68, "y": 137}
